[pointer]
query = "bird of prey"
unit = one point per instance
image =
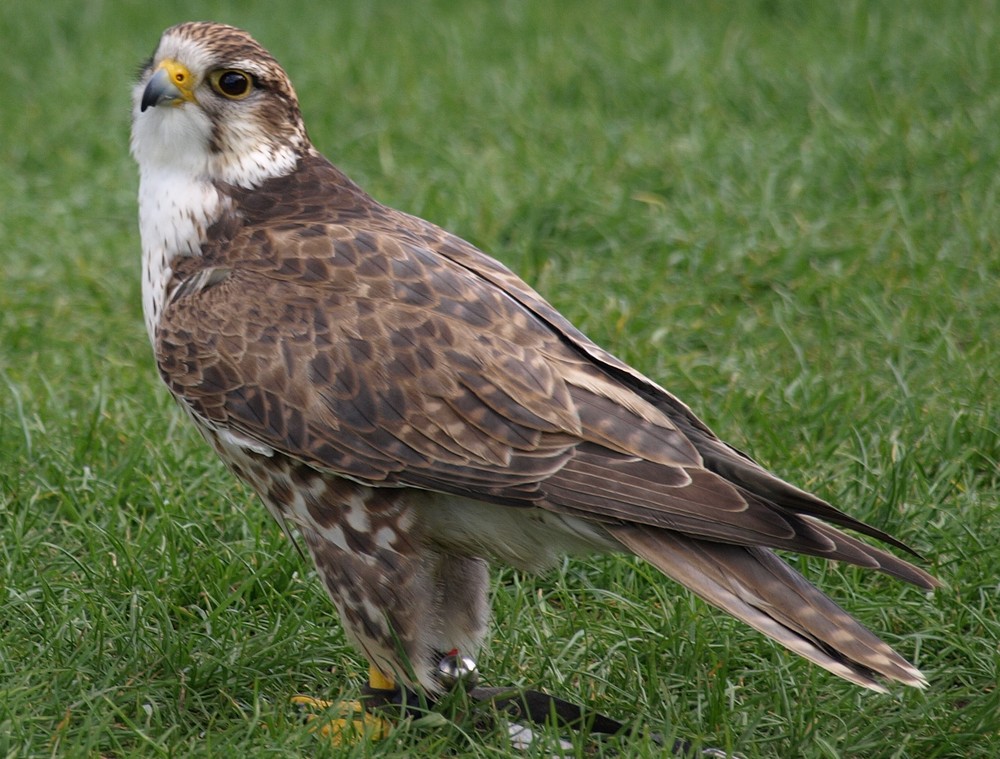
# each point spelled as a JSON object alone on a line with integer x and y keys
{"x": 415, "y": 410}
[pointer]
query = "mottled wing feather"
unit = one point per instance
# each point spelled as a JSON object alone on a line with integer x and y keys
{"x": 718, "y": 456}
{"x": 302, "y": 380}
{"x": 376, "y": 346}
{"x": 317, "y": 372}
{"x": 603, "y": 485}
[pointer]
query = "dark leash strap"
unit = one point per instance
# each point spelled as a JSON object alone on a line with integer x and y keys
{"x": 522, "y": 704}
{"x": 543, "y": 709}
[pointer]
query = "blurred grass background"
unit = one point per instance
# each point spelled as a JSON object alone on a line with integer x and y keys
{"x": 784, "y": 212}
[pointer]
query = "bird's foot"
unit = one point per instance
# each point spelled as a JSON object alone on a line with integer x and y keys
{"x": 353, "y": 725}
{"x": 521, "y": 711}
{"x": 354, "y": 722}
{"x": 382, "y": 702}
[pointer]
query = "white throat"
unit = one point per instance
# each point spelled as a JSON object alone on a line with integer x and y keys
{"x": 177, "y": 200}
{"x": 178, "y": 195}
{"x": 175, "y": 210}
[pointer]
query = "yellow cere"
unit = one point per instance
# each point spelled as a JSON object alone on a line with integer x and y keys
{"x": 180, "y": 77}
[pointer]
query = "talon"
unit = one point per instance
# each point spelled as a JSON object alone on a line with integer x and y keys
{"x": 314, "y": 703}
{"x": 354, "y": 726}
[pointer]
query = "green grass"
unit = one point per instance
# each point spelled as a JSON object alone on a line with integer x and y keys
{"x": 786, "y": 214}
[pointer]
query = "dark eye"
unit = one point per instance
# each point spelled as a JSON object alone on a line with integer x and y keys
{"x": 231, "y": 83}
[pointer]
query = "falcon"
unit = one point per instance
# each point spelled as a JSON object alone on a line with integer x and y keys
{"x": 415, "y": 410}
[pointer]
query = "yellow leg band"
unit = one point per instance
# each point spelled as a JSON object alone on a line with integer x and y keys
{"x": 378, "y": 681}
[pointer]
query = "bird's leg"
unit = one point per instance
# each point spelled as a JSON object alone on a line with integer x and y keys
{"x": 378, "y": 681}
{"x": 456, "y": 677}
{"x": 383, "y": 693}
{"x": 454, "y": 673}
{"x": 407, "y": 604}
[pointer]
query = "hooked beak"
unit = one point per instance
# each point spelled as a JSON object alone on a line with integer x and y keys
{"x": 171, "y": 83}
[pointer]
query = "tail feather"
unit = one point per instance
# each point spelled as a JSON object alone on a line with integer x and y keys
{"x": 857, "y": 552}
{"x": 757, "y": 587}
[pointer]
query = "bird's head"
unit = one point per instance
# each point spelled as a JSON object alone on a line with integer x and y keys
{"x": 212, "y": 104}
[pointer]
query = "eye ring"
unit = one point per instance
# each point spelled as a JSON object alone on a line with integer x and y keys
{"x": 231, "y": 83}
